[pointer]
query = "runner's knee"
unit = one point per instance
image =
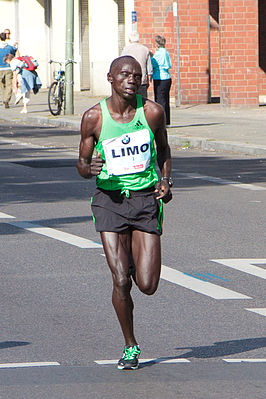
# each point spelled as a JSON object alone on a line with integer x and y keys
{"x": 122, "y": 284}
{"x": 148, "y": 287}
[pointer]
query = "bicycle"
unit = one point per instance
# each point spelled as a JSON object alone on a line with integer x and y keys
{"x": 56, "y": 93}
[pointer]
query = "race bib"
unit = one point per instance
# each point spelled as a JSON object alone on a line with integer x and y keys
{"x": 127, "y": 154}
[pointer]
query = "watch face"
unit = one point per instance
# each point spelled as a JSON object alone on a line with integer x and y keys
{"x": 169, "y": 179}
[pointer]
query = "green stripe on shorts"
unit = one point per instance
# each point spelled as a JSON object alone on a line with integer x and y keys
{"x": 93, "y": 218}
{"x": 160, "y": 217}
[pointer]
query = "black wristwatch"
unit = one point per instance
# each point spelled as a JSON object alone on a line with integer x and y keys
{"x": 169, "y": 179}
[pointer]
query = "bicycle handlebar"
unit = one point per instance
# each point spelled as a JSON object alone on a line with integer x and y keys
{"x": 55, "y": 62}
{"x": 69, "y": 61}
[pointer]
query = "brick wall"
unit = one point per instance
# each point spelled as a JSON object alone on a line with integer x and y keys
{"x": 194, "y": 69}
{"x": 238, "y": 66}
{"x": 239, "y": 52}
{"x": 155, "y": 17}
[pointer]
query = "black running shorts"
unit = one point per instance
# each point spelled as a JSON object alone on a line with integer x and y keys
{"x": 113, "y": 211}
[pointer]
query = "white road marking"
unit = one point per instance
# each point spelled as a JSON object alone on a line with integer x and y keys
{"x": 244, "y": 360}
{"x": 57, "y": 235}
{"x": 245, "y": 265}
{"x": 167, "y": 273}
{"x": 155, "y": 360}
{"x": 261, "y": 311}
{"x": 25, "y": 144}
{"x": 6, "y": 216}
{"x": 202, "y": 287}
{"x": 219, "y": 180}
{"x": 34, "y": 364}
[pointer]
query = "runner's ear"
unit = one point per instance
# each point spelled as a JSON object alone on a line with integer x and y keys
{"x": 109, "y": 78}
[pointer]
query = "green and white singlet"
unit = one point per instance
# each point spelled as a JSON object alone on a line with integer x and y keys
{"x": 128, "y": 151}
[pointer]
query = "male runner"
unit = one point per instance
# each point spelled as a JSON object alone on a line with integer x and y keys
{"x": 127, "y": 204}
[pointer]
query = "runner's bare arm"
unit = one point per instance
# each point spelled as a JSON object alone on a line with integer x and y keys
{"x": 90, "y": 131}
{"x": 156, "y": 119}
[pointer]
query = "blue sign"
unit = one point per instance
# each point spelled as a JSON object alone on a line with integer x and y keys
{"x": 134, "y": 16}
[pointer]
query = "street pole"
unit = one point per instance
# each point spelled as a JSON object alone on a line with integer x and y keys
{"x": 178, "y": 98}
{"x": 69, "y": 94}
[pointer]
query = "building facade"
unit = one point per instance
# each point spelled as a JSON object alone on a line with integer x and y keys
{"x": 100, "y": 28}
{"x": 217, "y": 47}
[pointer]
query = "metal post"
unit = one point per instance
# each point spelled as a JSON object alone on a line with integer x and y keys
{"x": 17, "y": 20}
{"x": 209, "y": 61}
{"x": 178, "y": 99}
{"x": 178, "y": 102}
{"x": 69, "y": 104}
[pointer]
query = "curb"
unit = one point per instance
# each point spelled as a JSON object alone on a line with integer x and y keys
{"x": 213, "y": 145}
{"x": 53, "y": 121}
{"x": 184, "y": 142}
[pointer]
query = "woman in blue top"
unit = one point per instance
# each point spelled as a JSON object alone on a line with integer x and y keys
{"x": 161, "y": 63}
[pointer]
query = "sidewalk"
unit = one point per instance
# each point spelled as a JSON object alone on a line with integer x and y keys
{"x": 208, "y": 127}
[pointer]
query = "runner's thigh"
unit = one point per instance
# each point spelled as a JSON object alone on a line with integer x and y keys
{"x": 146, "y": 250}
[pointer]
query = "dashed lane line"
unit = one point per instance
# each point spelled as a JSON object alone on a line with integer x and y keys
{"x": 6, "y": 216}
{"x": 32, "y": 364}
{"x": 31, "y": 145}
{"x": 219, "y": 180}
{"x": 114, "y": 362}
{"x": 57, "y": 235}
{"x": 200, "y": 286}
{"x": 52, "y": 233}
{"x": 179, "y": 360}
{"x": 245, "y": 360}
{"x": 245, "y": 265}
{"x": 260, "y": 311}
{"x": 172, "y": 275}
{"x": 141, "y": 361}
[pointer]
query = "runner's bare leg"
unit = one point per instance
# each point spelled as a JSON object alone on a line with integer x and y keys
{"x": 117, "y": 249}
{"x": 146, "y": 250}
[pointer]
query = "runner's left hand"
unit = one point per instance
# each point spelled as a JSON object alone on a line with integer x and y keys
{"x": 163, "y": 189}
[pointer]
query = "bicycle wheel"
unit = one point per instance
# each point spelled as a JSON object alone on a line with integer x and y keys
{"x": 54, "y": 99}
{"x": 61, "y": 92}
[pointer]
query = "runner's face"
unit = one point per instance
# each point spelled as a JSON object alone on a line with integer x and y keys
{"x": 126, "y": 78}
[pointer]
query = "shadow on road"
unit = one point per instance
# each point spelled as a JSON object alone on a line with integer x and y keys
{"x": 224, "y": 348}
{"x": 12, "y": 344}
{"x": 218, "y": 349}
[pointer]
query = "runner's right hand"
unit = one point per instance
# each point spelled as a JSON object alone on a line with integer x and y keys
{"x": 96, "y": 165}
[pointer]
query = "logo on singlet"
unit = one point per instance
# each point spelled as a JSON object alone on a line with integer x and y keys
{"x": 138, "y": 124}
{"x": 126, "y": 139}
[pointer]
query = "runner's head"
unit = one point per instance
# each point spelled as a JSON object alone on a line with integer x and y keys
{"x": 125, "y": 76}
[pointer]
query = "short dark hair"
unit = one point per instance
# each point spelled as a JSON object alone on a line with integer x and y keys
{"x": 3, "y": 36}
{"x": 118, "y": 60}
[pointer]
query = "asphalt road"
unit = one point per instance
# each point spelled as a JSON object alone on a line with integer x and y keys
{"x": 202, "y": 334}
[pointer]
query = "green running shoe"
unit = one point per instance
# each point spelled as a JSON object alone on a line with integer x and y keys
{"x": 129, "y": 360}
